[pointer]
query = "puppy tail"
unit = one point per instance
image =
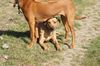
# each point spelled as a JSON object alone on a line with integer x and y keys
{"x": 79, "y": 18}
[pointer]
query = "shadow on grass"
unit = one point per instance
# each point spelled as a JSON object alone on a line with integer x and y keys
{"x": 65, "y": 43}
{"x": 22, "y": 35}
{"x": 16, "y": 34}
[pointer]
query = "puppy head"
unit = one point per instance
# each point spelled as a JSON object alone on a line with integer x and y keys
{"x": 52, "y": 23}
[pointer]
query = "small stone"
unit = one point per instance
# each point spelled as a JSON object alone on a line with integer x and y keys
{"x": 5, "y": 57}
{"x": 1, "y": 37}
{"x": 5, "y": 46}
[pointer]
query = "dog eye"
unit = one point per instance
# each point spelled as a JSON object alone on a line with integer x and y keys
{"x": 54, "y": 22}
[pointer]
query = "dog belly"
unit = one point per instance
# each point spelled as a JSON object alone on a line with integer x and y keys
{"x": 44, "y": 16}
{"x": 48, "y": 38}
{"x": 45, "y": 12}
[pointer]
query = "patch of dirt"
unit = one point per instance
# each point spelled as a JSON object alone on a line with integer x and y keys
{"x": 90, "y": 28}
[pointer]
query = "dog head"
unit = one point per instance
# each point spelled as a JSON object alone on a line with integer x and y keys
{"x": 52, "y": 23}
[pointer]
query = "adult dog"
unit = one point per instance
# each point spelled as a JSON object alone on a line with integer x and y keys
{"x": 41, "y": 11}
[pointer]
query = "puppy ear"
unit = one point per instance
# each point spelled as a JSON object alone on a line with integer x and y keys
{"x": 58, "y": 18}
{"x": 45, "y": 22}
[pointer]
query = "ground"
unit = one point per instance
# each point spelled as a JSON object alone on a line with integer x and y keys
{"x": 90, "y": 29}
{"x": 13, "y": 32}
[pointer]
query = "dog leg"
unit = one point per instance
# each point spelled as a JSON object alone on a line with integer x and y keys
{"x": 36, "y": 32}
{"x": 31, "y": 22}
{"x": 37, "y": 35}
{"x": 73, "y": 36}
{"x": 70, "y": 17}
{"x": 54, "y": 40}
{"x": 67, "y": 31}
{"x": 32, "y": 33}
{"x": 65, "y": 23}
{"x": 15, "y": 2}
{"x": 42, "y": 39}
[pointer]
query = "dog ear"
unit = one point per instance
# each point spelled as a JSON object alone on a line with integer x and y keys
{"x": 58, "y": 18}
{"x": 45, "y": 22}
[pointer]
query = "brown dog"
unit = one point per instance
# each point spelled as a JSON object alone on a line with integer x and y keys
{"x": 46, "y": 32}
{"x": 36, "y": 11}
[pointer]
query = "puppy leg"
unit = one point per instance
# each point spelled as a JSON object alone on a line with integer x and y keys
{"x": 54, "y": 39}
{"x": 41, "y": 40}
{"x": 37, "y": 35}
{"x": 36, "y": 32}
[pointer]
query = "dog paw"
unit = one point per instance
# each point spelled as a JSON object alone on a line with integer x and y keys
{"x": 46, "y": 48}
{"x": 58, "y": 48}
{"x": 29, "y": 46}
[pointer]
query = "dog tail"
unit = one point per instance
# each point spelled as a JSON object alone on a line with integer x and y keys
{"x": 79, "y": 18}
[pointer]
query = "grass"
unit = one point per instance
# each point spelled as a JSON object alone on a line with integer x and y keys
{"x": 82, "y": 4}
{"x": 93, "y": 54}
{"x": 19, "y": 54}
{"x": 14, "y": 31}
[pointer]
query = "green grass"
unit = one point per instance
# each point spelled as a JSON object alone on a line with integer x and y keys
{"x": 93, "y": 54}
{"x": 14, "y": 33}
{"x": 82, "y": 4}
{"x": 19, "y": 54}
{"x": 17, "y": 39}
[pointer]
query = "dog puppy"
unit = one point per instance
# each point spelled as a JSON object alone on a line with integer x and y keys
{"x": 46, "y": 32}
